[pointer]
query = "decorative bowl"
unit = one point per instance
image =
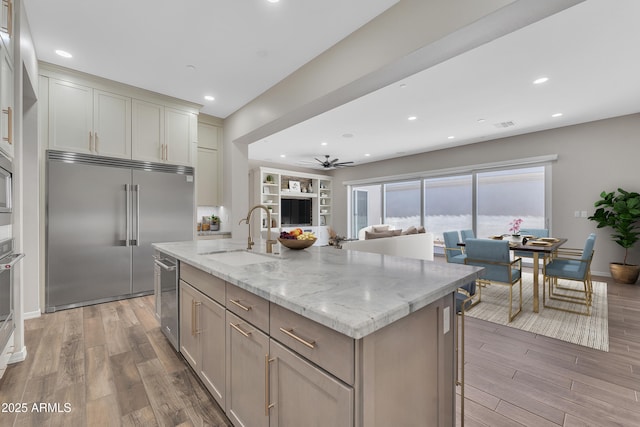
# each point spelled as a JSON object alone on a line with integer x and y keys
{"x": 296, "y": 244}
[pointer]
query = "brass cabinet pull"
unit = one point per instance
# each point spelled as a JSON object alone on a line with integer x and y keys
{"x": 96, "y": 141}
{"x": 90, "y": 141}
{"x": 237, "y": 302}
{"x": 237, "y": 328}
{"x": 9, "y": 112}
{"x": 193, "y": 318}
{"x": 197, "y": 311}
{"x": 289, "y": 332}
{"x": 267, "y": 396}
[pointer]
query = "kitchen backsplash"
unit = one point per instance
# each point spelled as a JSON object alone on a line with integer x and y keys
{"x": 219, "y": 211}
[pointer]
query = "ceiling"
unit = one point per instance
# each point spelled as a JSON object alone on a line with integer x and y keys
{"x": 239, "y": 49}
{"x": 233, "y": 50}
{"x": 487, "y": 93}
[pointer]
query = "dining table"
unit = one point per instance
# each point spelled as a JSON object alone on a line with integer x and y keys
{"x": 544, "y": 246}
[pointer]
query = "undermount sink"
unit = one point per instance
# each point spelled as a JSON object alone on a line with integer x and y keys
{"x": 240, "y": 258}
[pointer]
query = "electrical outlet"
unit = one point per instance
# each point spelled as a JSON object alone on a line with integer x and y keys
{"x": 583, "y": 214}
{"x": 576, "y": 214}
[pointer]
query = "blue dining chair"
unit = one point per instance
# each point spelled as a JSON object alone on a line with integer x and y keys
{"x": 452, "y": 251}
{"x": 467, "y": 234}
{"x": 495, "y": 257}
{"x": 574, "y": 265}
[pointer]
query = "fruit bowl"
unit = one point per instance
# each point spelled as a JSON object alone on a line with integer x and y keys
{"x": 296, "y": 244}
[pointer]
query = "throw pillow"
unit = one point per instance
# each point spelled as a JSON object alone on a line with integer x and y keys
{"x": 411, "y": 230}
{"x": 379, "y": 228}
{"x": 369, "y": 236}
{"x": 397, "y": 232}
{"x": 421, "y": 229}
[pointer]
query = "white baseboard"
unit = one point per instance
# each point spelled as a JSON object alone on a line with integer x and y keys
{"x": 31, "y": 314}
{"x": 18, "y": 356}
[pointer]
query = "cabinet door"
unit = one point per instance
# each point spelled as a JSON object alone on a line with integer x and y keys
{"x": 247, "y": 364}
{"x": 147, "y": 131}
{"x": 211, "y": 321}
{"x": 303, "y": 395}
{"x": 178, "y": 136}
{"x": 6, "y": 103}
{"x": 208, "y": 136}
{"x": 70, "y": 117}
{"x": 188, "y": 325}
{"x": 112, "y": 124}
{"x": 208, "y": 178}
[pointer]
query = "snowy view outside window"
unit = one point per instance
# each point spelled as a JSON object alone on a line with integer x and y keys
{"x": 502, "y": 196}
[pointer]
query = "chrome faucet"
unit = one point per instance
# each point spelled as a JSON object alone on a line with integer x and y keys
{"x": 270, "y": 241}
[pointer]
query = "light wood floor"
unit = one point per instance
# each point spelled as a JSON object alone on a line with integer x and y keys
{"x": 114, "y": 367}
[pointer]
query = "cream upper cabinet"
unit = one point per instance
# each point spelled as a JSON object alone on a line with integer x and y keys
{"x": 162, "y": 134}
{"x": 180, "y": 132}
{"x": 87, "y": 120}
{"x": 6, "y": 103}
{"x": 209, "y": 166}
{"x": 6, "y": 25}
{"x": 148, "y": 131}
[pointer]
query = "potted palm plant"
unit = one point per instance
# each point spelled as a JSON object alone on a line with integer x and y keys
{"x": 621, "y": 211}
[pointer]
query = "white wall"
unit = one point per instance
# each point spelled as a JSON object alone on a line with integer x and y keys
{"x": 592, "y": 157}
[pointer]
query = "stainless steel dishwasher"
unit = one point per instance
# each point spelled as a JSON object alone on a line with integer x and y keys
{"x": 168, "y": 287}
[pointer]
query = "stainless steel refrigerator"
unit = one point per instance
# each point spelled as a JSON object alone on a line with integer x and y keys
{"x": 102, "y": 216}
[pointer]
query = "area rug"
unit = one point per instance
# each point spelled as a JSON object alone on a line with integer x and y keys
{"x": 590, "y": 331}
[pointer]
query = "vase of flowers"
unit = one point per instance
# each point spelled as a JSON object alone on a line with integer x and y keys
{"x": 514, "y": 230}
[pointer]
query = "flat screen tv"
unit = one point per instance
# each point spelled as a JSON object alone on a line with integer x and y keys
{"x": 295, "y": 211}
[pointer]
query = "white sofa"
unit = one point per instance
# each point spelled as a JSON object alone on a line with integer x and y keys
{"x": 418, "y": 246}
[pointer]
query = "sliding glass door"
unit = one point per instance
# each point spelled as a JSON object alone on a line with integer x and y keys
{"x": 448, "y": 204}
{"x": 505, "y": 195}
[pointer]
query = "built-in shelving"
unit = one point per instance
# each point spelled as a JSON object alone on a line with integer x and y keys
{"x": 273, "y": 185}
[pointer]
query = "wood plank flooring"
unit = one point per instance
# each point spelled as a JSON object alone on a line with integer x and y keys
{"x": 112, "y": 364}
{"x": 113, "y": 367}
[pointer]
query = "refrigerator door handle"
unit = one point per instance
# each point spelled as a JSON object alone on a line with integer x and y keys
{"x": 127, "y": 230}
{"x": 137, "y": 215}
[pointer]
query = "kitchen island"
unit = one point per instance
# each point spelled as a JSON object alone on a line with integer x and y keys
{"x": 320, "y": 336}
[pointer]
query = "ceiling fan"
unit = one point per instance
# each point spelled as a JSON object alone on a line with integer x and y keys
{"x": 330, "y": 164}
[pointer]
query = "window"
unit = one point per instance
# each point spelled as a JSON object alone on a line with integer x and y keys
{"x": 485, "y": 200}
{"x": 402, "y": 204}
{"x": 366, "y": 208}
{"x": 448, "y": 204}
{"x": 505, "y": 195}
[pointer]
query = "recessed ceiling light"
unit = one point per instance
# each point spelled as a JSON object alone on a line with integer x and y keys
{"x": 209, "y": 98}
{"x": 451, "y": 137}
{"x": 411, "y": 118}
{"x": 273, "y": 1}
{"x": 481, "y": 120}
{"x": 347, "y": 135}
{"x": 191, "y": 67}
{"x": 283, "y": 155}
{"x": 64, "y": 53}
{"x": 324, "y": 143}
{"x": 403, "y": 85}
{"x": 556, "y": 115}
{"x": 540, "y": 80}
{"x": 367, "y": 155}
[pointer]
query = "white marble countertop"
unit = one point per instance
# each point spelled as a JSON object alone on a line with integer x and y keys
{"x": 354, "y": 293}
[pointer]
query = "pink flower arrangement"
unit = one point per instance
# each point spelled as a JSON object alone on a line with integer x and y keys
{"x": 514, "y": 226}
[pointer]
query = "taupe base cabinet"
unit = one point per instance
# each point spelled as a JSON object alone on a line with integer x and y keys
{"x": 270, "y": 367}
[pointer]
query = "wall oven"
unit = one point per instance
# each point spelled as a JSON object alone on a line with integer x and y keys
{"x": 6, "y": 186}
{"x": 8, "y": 259}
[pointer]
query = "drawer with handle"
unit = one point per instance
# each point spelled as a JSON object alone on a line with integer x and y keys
{"x": 325, "y": 347}
{"x": 211, "y": 286}
{"x": 250, "y": 307}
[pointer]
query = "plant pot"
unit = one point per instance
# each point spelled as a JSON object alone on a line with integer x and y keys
{"x": 624, "y": 273}
{"x": 215, "y": 226}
